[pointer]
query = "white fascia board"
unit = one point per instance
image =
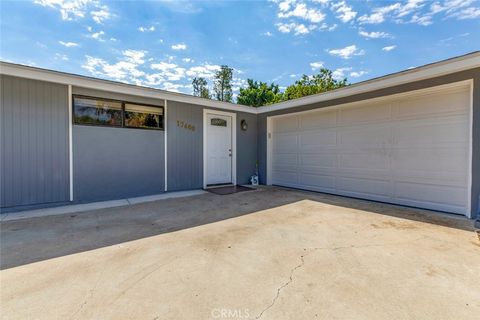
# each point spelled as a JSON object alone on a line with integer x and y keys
{"x": 112, "y": 86}
{"x": 437, "y": 69}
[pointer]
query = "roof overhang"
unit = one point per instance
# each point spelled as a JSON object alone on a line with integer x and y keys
{"x": 433, "y": 70}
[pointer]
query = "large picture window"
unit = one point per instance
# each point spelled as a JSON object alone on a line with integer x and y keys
{"x": 97, "y": 112}
{"x": 103, "y": 112}
{"x": 138, "y": 116}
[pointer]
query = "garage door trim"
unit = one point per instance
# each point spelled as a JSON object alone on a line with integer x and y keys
{"x": 420, "y": 92}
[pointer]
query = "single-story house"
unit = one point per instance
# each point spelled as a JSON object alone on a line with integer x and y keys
{"x": 410, "y": 138}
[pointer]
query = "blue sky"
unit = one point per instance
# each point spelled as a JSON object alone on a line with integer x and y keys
{"x": 164, "y": 44}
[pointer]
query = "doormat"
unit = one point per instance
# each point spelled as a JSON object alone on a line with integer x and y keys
{"x": 228, "y": 190}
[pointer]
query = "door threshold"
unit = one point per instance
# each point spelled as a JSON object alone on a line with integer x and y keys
{"x": 219, "y": 185}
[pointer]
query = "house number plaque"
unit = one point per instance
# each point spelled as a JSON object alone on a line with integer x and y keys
{"x": 184, "y": 125}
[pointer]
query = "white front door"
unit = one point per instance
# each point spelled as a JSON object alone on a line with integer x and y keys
{"x": 219, "y": 149}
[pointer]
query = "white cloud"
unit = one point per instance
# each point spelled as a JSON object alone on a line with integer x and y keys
{"x": 73, "y": 9}
{"x": 468, "y": 13}
{"x": 68, "y": 44}
{"x": 68, "y": 9}
{"x": 316, "y": 65}
{"x": 357, "y": 74}
{"x": 187, "y": 60}
{"x": 347, "y": 52}
{"x": 98, "y": 36}
{"x": 296, "y": 28}
{"x": 345, "y": 12}
{"x": 284, "y": 5}
{"x": 425, "y": 20}
{"x": 339, "y": 74}
{"x": 179, "y": 46}
{"x": 378, "y": 15}
{"x": 206, "y": 71}
{"x": 410, "y": 7}
{"x": 303, "y": 12}
{"x": 146, "y": 29}
{"x": 169, "y": 71}
{"x": 134, "y": 56}
{"x": 374, "y": 34}
{"x": 389, "y": 48}
{"x": 101, "y": 14}
{"x": 267, "y": 34}
{"x": 125, "y": 70}
{"x": 60, "y": 56}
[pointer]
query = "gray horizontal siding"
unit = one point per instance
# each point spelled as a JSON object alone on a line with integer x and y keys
{"x": 34, "y": 142}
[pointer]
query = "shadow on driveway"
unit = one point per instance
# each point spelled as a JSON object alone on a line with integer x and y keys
{"x": 36, "y": 239}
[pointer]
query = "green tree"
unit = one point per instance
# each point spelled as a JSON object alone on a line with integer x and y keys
{"x": 223, "y": 84}
{"x": 200, "y": 88}
{"x": 258, "y": 94}
{"x": 308, "y": 85}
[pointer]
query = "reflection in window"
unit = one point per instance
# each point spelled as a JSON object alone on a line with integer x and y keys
{"x": 138, "y": 116}
{"x": 97, "y": 112}
{"x": 218, "y": 122}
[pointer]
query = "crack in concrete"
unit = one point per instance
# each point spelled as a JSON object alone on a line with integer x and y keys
{"x": 279, "y": 289}
{"x": 302, "y": 257}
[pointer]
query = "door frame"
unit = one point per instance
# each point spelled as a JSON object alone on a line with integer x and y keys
{"x": 233, "y": 115}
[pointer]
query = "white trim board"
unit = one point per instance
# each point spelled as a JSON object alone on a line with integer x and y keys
{"x": 234, "y": 143}
{"x": 70, "y": 141}
{"x": 457, "y": 64}
{"x": 165, "y": 134}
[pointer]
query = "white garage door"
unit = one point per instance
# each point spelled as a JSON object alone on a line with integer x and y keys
{"x": 411, "y": 150}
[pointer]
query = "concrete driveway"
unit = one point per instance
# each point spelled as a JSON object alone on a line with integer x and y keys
{"x": 269, "y": 254}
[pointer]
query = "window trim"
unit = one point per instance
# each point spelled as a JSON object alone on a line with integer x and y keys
{"x": 122, "y": 102}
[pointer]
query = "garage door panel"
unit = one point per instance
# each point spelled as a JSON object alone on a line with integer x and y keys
{"x": 318, "y": 119}
{"x": 359, "y": 186}
{"x": 364, "y": 136}
{"x": 419, "y": 133}
{"x": 317, "y": 139}
{"x": 285, "y": 144}
{"x": 432, "y": 105}
{"x": 410, "y": 151}
{"x": 324, "y": 160}
{"x": 287, "y": 159}
{"x": 420, "y": 192}
{"x": 433, "y": 160}
{"x": 318, "y": 180}
{"x": 283, "y": 176}
{"x": 376, "y": 159}
{"x": 367, "y": 113}
{"x": 285, "y": 124}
